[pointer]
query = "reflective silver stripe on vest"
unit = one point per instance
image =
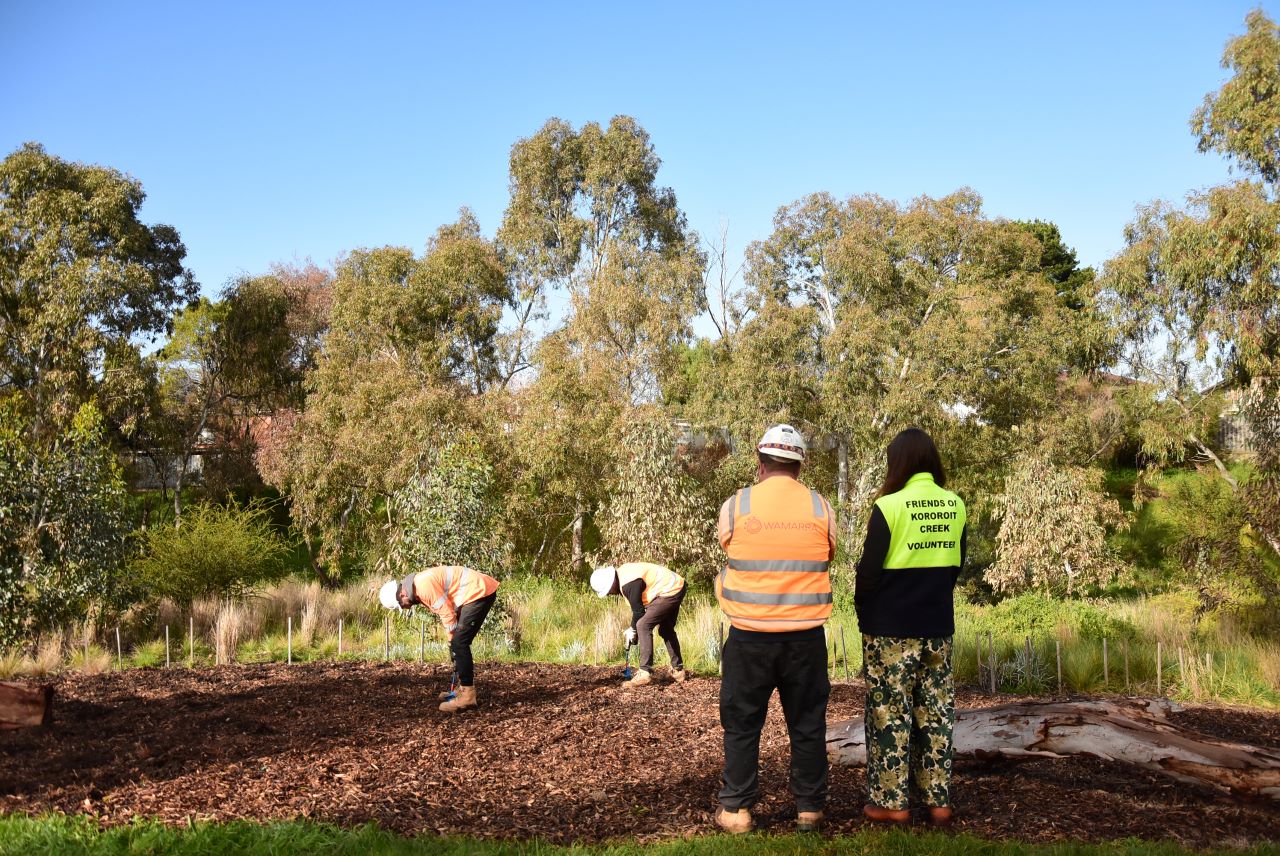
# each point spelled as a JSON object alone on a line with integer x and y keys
{"x": 796, "y": 565}
{"x": 733, "y": 500}
{"x": 444, "y": 595}
{"x": 744, "y": 501}
{"x": 819, "y": 507}
{"x": 776, "y": 599}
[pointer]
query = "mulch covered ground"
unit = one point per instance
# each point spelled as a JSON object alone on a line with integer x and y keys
{"x": 554, "y": 752}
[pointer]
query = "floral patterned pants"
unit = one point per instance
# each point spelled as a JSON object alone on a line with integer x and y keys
{"x": 909, "y": 717}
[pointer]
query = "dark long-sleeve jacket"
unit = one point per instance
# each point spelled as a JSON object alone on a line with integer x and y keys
{"x": 905, "y": 603}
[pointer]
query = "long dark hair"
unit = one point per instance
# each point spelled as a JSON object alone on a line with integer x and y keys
{"x": 911, "y": 452}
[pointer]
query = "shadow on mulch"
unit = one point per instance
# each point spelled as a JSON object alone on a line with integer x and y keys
{"x": 555, "y": 752}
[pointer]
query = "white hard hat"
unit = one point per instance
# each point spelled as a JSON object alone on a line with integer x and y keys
{"x": 602, "y": 580}
{"x": 782, "y": 441}
{"x": 387, "y": 595}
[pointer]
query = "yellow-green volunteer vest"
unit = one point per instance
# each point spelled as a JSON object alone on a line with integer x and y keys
{"x": 925, "y": 522}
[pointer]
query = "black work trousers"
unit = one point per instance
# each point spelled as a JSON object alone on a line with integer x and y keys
{"x": 661, "y": 613}
{"x": 797, "y": 668}
{"x": 470, "y": 617}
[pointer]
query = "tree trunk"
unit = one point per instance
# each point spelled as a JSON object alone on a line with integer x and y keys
{"x": 24, "y": 705}
{"x": 842, "y": 468}
{"x": 1136, "y": 733}
{"x": 177, "y": 494}
{"x": 579, "y": 521}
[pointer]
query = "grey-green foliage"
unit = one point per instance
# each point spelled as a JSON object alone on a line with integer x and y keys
{"x": 63, "y": 533}
{"x": 444, "y": 515}
{"x": 217, "y": 551}
{"x": 1053, "y": 533}
{"x": 654, "y": 512}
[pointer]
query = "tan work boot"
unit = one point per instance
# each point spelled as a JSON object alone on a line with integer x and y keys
{"x": 446, "y": 695}
{"x": 465, "y": 700}
{"x": 640, "y": 679}
{"x": 734, "y": 822}
{"x": 808, "y": 821}
{"x": 678, "y": 676}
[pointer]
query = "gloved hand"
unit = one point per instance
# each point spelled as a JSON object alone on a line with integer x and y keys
{"x": 630, "y": 635}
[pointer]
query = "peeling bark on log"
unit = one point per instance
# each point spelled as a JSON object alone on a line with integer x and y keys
{"x": 1136, "y": 732}
{"x": 24, "y": 705}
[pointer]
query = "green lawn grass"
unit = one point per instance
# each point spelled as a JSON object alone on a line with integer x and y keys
{"x": 80, "y": 837}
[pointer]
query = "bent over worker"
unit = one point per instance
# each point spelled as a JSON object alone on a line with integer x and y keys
{"x": 461, "y": 598}
{"x": 911, "y": 559}
{"x": 655, "y": 593}
{"x": 775, "y": 589}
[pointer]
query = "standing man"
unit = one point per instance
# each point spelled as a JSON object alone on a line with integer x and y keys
{"x": 780, "y": 537}
{"x": 655, "y": 593}
{"x": 462, "y": 598}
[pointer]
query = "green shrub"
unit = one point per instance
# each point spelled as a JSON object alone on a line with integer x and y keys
{"x": 1039, "y": 616}
{"x": 216, "y": 552}
{"x": 1218, "y": 553}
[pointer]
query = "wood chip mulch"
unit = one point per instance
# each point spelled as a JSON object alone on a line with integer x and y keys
{"x": 558, "y": 753}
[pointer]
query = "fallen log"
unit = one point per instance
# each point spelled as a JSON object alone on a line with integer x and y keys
{"x": 25, "y": 705}
{"x": 1136, "y": 732}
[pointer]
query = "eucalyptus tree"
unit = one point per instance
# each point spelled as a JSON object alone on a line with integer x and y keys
{"x": 82, "y": 281}
{"x": 1196, "y": 288}
{"x": 410, "y": 343}
{"x": 588, "y": 228}
{"x": 869, "y": 315}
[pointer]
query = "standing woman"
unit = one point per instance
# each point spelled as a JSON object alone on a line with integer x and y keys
{"x": 912, "y": 557}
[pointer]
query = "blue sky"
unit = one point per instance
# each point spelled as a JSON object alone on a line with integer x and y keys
{"x": 283, "y": 131}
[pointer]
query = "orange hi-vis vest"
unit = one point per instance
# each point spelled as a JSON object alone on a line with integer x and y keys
{"x": 777, "y": 534}
{"x": 446, "y": 588}
{"x": 659, "y": 581}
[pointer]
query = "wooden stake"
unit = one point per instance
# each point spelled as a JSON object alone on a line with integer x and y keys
{"x": 386, "y": 646}
{"x": 1026, "y": 641}
{"x": 1126, "y": 665}
{"x": 119, "y": 653}
{"x": 422, "y": 641}
{"x": 191, "y": 641}
{"x": 1106, "y": 665}
{"x": 166, "y": 646}
{"x": 339, "y": 637}
{"x": 1057, "y": 647}
{"x": 991, "y": 649}
{"x": 844, "y": 643}
{"x": 1182, "y": 669}
{"x": 1159, "y": 677}
{"x": 977, "y": 645}
{"x": 289, "y": 642}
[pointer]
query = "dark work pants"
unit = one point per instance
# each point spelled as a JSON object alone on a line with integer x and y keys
{"x": 470, "y": 617}
{"x": 752, "y": 670}
{"x": 661, "y": 613}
